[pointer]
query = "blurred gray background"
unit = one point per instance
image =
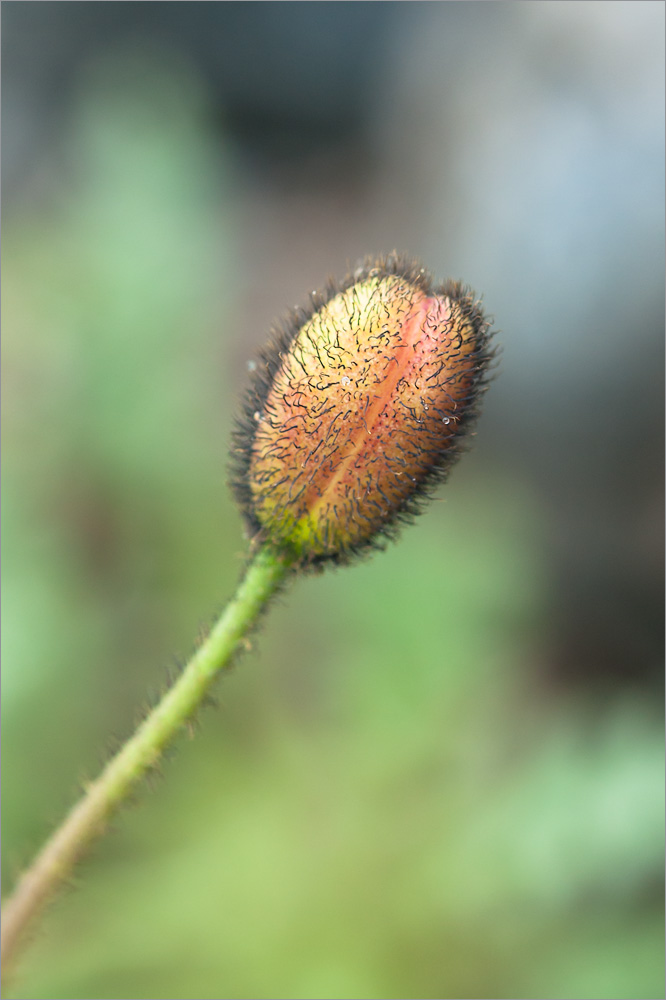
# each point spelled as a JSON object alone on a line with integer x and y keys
{"x": 175, "y": 176}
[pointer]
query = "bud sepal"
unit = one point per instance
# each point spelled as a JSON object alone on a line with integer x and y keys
{"x": 357, "y": 409}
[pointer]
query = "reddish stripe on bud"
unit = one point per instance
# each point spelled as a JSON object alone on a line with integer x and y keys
{"x": 358, "y": 408}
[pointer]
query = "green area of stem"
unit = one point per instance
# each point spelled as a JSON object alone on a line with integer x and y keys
{"x": 88, "y": 819}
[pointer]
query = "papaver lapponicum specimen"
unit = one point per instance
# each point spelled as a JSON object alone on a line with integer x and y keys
{"x": 357, "y": 408}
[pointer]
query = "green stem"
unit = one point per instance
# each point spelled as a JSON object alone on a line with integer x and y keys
{"x": 87, "y": 820}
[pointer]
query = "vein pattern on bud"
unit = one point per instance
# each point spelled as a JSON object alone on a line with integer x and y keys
{"x": 358, "y": 408}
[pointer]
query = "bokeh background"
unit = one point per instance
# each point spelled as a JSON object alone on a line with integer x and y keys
{"x": 439, "y": 773}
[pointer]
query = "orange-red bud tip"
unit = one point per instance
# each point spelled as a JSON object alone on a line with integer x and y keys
{"x": 357, "y": 408}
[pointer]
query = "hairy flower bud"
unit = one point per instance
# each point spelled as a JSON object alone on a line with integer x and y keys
{"x": 357, "y": 409}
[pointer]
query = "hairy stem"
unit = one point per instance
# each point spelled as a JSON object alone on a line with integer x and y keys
{"x": 87, "y": 820}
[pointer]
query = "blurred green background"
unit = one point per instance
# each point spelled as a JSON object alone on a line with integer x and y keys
{"x": 438, "y": 773}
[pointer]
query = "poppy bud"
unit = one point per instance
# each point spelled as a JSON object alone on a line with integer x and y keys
{"x": 357, "y": 408}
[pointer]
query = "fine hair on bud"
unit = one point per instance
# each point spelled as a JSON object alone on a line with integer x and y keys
{"x": 357, "y": 408}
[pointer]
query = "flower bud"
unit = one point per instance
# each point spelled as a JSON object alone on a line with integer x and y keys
{"x": 357, "y": 409}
